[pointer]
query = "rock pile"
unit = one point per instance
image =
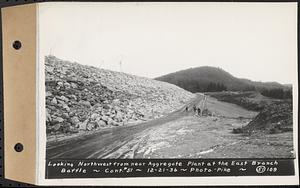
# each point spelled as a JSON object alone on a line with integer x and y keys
{"x": 274, "y": 118}
{"x": 80, "y": 97}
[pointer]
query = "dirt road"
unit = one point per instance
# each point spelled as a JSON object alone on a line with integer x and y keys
{"x": 180, "y": 134}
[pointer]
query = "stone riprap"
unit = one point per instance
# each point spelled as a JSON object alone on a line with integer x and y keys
{"x": 81, "y": 97}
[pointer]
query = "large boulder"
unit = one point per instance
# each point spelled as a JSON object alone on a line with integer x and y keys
{"x": 83, "y": 125}
{"x": 95, "y": 116}
{"x": 63, "y": 98}
{"x": 101, "y": 123}
{"x": 54, "y": 101}
{"x": 58, "y": 120}
{"x": 48, "y": 116}
{"x": 75, "y": 121}
{"x": 90, "y": 126}
{"x": 56, "y": 127}
{"x": 85, "y": 103}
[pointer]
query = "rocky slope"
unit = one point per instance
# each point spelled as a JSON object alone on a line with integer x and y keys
{"x": 275, "y": 115}
{"x": 274, "y": 118}
{"x": 80, "y": 97}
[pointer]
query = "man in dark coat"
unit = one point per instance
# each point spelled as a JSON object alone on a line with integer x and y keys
{"x": 199, "y": 111}
{"x": 195, "y": 108}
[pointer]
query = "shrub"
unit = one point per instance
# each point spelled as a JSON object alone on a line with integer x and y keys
{"x": 237, "y": 131}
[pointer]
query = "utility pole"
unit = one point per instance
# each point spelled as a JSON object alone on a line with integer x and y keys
{"x": 203, "y": 105}
{"x": 120, "y": 63}
{"x": 101, "y": 64}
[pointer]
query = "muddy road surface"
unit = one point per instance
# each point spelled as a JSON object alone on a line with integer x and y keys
{"x": 181, "y": 134}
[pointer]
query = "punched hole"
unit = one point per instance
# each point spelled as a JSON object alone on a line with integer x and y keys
{"x": 17, "y": 45}
{"x": 19, "y": 147}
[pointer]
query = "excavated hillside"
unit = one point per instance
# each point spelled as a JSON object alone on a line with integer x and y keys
{"x": 275, "y": 115}
{"x": 274, "y": 118}
{"x": 80, "y": 97}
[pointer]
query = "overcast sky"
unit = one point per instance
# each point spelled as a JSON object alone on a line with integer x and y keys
{"x": 249, "y": 40}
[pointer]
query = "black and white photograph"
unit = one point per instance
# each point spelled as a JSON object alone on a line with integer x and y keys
{"x": 140, "y": 81}
{"x": 168, "y": 92}
{"x": 149, "y": 93}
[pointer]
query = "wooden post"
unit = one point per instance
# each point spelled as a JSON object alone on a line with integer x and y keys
{"x": 204, "y": 105}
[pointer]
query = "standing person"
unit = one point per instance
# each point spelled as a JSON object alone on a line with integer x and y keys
{"x": 199, "y": 111}
{"x": 186, "y": 108}
{"x": 195, "y": 108}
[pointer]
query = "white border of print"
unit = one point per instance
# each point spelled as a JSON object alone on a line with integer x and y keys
{"x": 165, "y": 181}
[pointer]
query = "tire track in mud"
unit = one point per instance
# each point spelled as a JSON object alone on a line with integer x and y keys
{"x": 215, "y": 147}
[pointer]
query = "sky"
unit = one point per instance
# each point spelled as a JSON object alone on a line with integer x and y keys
{"x": 257, "y": 41}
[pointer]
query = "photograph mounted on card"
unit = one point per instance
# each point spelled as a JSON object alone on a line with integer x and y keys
{"x": 151, "y": 93}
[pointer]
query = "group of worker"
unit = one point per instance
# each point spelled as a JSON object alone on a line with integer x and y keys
{"x": 197, "y": 110}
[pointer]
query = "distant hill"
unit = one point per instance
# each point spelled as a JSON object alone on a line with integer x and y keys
{"x": 206, "y": 78}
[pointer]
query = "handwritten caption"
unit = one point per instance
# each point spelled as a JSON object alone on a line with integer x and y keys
{"x": 161, "y": 167}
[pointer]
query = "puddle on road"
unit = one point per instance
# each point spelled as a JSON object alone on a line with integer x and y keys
{"x": 154, "y": 147}
{"x": 205, "y": 152}
{"x": 163, "y": 137}
{"x": 183, "y": 131}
